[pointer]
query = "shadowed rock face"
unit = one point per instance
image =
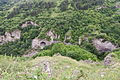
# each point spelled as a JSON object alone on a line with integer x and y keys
{"x": 103, "y": 46}
{"x": 10, "y": 36}
{"x": 28, "y": 23}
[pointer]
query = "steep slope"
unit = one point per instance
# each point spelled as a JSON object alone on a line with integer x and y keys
{"x": 74, "y": 22}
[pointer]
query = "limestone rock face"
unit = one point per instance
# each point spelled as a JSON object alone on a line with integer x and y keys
{"x": 38, "y": 43}
{"x": 103, "y": 46}
{"x": 52, "y": 35}
{"x": 26, "y": 24}
{"x": 10, "y": 36}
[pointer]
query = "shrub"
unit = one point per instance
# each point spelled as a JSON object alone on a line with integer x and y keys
{"x": 43, "y": 53}
{"x": 72, "y": 51}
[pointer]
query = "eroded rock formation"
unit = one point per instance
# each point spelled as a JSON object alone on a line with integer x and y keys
{"x": 28, "y": 23}
{"x": 40, "y": 43}
{"x": 10, "y": 36}
{"x": 52, "y": 35}
{"x": 103, "y": 46}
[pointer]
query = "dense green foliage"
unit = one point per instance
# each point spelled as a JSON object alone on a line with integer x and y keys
{"x": 83, "y": 18}
{"x": 76, "y": 23}
{"x": 72, "y": 51}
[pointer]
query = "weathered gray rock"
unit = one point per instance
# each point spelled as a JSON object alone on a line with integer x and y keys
{"x": 103, "y": 46}
{"x": 79, "y": 41}
{"x": 52, "y": 35}
{"x": 28, "y": 23}
{"x": 108, "y": 60}
{"x": 10, "y": 36}
{"x": 101, "y": 7}
{"x": 46, "y": 68}
{"x": 40, "y": 43}
{"x": 30, "y": 53}
{"x": 57, "y": 54}
{"x": 118, "y": 5}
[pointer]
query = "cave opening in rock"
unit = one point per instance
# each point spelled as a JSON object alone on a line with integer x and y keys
{"x": 43, "y": 44}
{"x": 29, "y": 23}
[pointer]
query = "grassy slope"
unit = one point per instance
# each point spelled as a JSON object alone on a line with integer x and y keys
{"x": 62, "y": 68}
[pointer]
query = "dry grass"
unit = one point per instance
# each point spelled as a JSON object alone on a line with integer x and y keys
{"x": 61, "y": 68}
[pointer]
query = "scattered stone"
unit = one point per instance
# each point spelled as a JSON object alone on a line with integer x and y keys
{"x": 108, "y": 60}
{"x": 30, "y": 53}
{"x": 102, "y": 74}
{"x": 79, "y": 41}
{"x": 58, "y": 54}
{"x": 79, "y": 75}
{"x": 75, "y": 73}
{"x": 101, "y": 7}
{"x": 46, "y": 68}
{"x": 88, "y": 61}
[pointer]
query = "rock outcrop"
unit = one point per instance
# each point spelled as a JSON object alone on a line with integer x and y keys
{"x": 52, "y": 35}
{"x": 40, "y": 43}
{"x": 28, "y": 23}
{"x": 103, "y": 46}
{"x": 10, "y": 36}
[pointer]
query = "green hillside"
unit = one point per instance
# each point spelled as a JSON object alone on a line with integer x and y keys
{"x": 83, "y": 19}
{"x": 59, "y": 39}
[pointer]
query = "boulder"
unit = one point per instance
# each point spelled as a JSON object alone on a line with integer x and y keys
{"x": 103, "y": 46}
